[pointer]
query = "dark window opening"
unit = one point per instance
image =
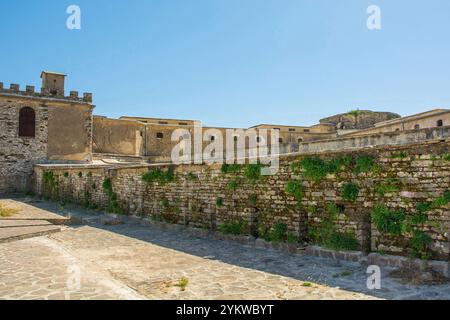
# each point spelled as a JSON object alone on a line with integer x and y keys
{"x": 291, "y": 130}
{"x": 236, "y": 138}
{"x": 416, "y": 127}
{"x": 163, "y": 122}
{"x": 183, "y": 124}
{"x": 306, "y": 130}
{"x": 440, "y": 123}
{"x": 213, "y": 138}
{"x": 27, "y": 122}
{"x": 258, "y": 139}
{"x": 159, "y": 135}
{"x": 341, "y": 208}
{"x": 300, "y": 140}
{"x": 280, "y": 140}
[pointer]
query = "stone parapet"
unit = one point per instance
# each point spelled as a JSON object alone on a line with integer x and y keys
{"x": 30, "y": 91}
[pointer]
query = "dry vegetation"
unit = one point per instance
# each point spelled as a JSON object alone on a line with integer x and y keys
{"x": 7, "y": 212}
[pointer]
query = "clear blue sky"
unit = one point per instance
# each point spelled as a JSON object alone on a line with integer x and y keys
{"x": 235, "y": 62}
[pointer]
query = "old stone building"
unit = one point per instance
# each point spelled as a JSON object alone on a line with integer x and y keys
{"x": 41, "y": 127}
{"x": 430, "y": 119}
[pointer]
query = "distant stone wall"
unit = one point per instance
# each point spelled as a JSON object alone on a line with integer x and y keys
{"x": 363, "y": 120}
{"x": 432, "y": 120}
{"x": 376, "y": 140}
{"x": 399, "y": 179}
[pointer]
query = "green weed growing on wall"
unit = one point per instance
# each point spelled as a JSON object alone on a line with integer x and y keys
{"x": 192, "y": 177}
{"x": 350, "y": 192}
{"x": 231, "y": 168}
{"x": 159, "y": 176}
{"x": 292, "y": 238}
{"x": 233, "y": 184}
{"x": 327, "y": 235}
{"x": 278, "y": 233}
{"x": 253, "y": 172}
{"x": 388, "y": 221}
{"x": 441, "y": 201}
{"x": 219, "y": 202}
{"x": 396, "y": 223}
{"x": 234, "y": 228}
{"x": 316, "y": 169}
{"x": 113, "y": 204}
{"x": 420, "y": 243}
{"x": 389, "y": 186}
{"x": 295, "y": 189}
{"x": 51, "y": 184}
{"x": 365, "y": 163}
{"x": 399, "y": 155}
{"x": 313, "y": 168}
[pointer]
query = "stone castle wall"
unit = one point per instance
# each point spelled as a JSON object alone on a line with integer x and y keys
{"x": 205, "y": 197}
{"x": 63, "y": 133}
{"x": 376, "y": 140}
{"x": 19, "y": 154}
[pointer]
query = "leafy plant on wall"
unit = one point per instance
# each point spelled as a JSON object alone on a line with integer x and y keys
{"x": 327, "y": 234}
{"x": 350, "y": 192}
{"x": 396, "y": 223}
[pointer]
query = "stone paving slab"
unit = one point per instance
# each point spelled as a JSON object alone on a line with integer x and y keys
{"x": 40, "y": 269}
{"x": 29, "y": 210}
{"x": 9, "y": 223}
{"x": 18, "y": 230}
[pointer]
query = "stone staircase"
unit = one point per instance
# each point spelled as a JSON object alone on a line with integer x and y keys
{"x": 27, "y": 221}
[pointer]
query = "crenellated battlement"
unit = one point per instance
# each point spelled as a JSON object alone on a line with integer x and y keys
{"x": 30, "y": 91}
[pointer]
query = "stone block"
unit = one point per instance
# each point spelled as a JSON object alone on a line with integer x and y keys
{"x": 87, "y": 97}
{"x": 30, "y": 89}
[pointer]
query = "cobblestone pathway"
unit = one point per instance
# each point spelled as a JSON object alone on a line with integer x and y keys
{"x": 132, "y": 261}
{"x": 39, "y": 268}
